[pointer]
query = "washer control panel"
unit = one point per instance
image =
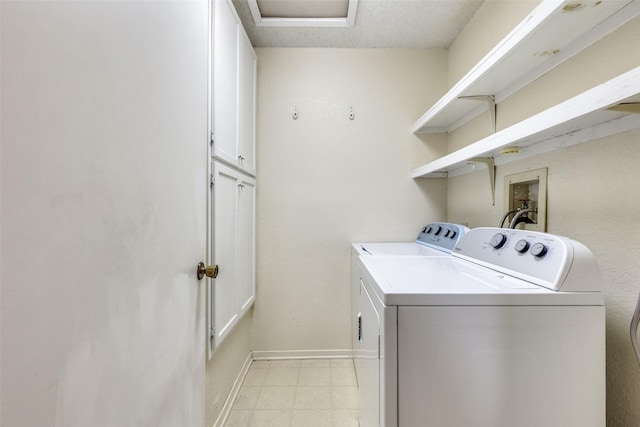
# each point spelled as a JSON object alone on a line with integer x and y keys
{"x": 538, "y": 250}
{"x": 540, "y": 258}
{"x": 525, "y": 243}
{"x": 441, "y": 235}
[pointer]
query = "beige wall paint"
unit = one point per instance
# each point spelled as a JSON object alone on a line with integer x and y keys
{"x": 490, "y": 24}
{"x": 591, "y": 197}
{"x": 326, "y": 181}
{"x": 613, "y": 55}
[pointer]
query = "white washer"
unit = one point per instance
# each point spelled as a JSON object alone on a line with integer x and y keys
{"x": 508, "y": 331}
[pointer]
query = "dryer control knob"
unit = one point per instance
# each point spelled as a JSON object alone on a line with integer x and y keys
{"x": 498, "y": 241}
{"x": 522, "y": 246}
{"x": 538, "y": 250}
{"x": 438, "y": 230}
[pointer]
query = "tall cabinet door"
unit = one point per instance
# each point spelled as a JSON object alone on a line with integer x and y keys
{"x": 234, "y": 234}
{"x": 247, "y": 65}
{"x": 234, "y": 91}
{"x": 246, "y": 290}
{"x": 224, "y": 302}
{"x": 225, "y": 82}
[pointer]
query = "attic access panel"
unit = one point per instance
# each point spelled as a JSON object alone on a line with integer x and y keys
{"x": 303, "y": 9}
{"x": 303, "y": 13}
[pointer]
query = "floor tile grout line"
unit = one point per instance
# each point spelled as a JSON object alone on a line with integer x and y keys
{"x": 298, "y": 385}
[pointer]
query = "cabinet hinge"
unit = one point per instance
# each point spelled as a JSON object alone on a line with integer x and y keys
{"x": 211, "y": 138}
{"x": 212, "y": 180}
{"x": 212, "y": 332}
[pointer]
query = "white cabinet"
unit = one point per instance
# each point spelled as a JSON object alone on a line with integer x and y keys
{"x": 225, "y": 82}
{"x": 233, "y": 169}
{"x": 234, "y": 89}
{"x": 233, "y": 225}
{"x": 247, "y": 65}
{"x": 246, "y": 276}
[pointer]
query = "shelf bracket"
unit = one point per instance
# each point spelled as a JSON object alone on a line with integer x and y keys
{"x": 490, "y": 100}
{"x": 626, "y": 107}
{"x": 491, "y": 168}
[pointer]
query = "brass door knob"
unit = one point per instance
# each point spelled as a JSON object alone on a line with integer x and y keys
{"x": 209, "y": 270}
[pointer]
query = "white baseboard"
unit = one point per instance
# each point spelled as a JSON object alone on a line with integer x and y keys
{"x": 302, "y": 354}
{"x": 228, "y": 404}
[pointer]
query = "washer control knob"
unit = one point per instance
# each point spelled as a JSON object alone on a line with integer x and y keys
{"x": 446, "y": 233}
{"x": 522, "y": 246}
{"x": 452, "y": 234}
{"x": 424, "y": 229}
{"x": 498, "y": 241}
{"x": 438, "y": 230}
{"x": 539, "y": 250}
{"x": 428, "y": 229}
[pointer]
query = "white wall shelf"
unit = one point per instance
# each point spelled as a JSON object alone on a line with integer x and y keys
{"x": 593, "y": 114}
{"x": 552, "y": 33}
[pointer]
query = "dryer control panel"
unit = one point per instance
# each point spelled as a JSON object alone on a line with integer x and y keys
{"x": 555, "y": 262}
{"x": 441, "y": 235}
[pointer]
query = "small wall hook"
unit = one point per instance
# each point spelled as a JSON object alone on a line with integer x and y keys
{"x": 351, "y": 114}
{"x": 295, "y": 113}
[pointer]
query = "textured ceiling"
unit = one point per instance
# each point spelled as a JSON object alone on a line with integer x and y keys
{"x": 379, "y": 24}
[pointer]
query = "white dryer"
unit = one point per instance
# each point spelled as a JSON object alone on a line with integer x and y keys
{"x": 508, "y": 331}
{"x": 436, "y": 239}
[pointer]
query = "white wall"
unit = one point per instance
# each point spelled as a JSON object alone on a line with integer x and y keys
{"x": 325, "y": 181}
{"x": 104, "y": 115}
{"x": 492, "y": 21}
{"x": 592, "y": 193}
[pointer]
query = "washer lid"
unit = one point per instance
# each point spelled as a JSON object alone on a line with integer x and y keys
{"x": 451, "y": 281}
{"x": 555, "y": 262}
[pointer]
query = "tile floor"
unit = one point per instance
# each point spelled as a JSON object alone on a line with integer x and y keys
{"x": 297, "y": 393}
